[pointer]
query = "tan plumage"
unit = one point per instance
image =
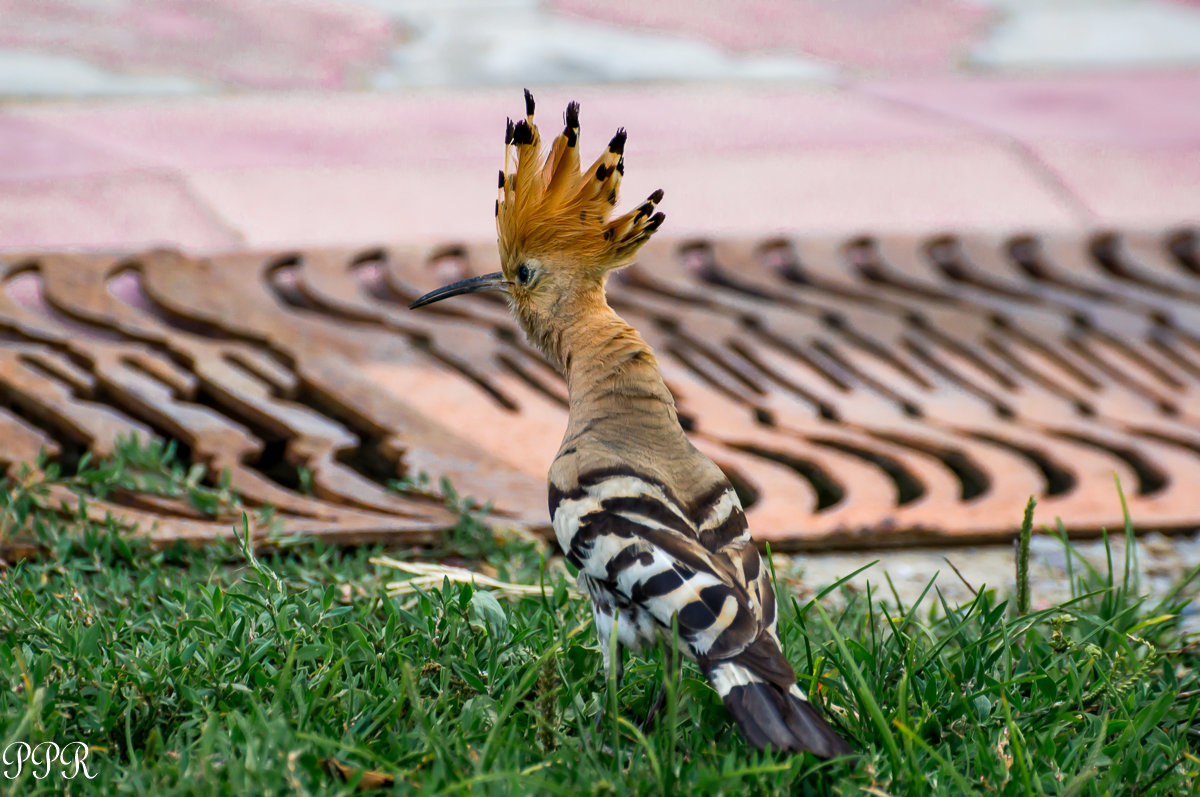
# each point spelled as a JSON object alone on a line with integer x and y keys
{"x": 654, "y": 526}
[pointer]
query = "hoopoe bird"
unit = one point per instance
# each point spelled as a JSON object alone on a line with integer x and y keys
{"x": 654, "y": 526}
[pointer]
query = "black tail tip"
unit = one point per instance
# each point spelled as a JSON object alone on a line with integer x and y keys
{"x": 770, "y": 717}
{"x": 528, "y": 103}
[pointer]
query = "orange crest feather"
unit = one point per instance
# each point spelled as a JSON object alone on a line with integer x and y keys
{"x": 550, "y": 206}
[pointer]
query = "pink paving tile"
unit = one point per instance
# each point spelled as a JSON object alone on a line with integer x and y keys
{"x": 263, "y": 44}
{"x": 334, "y": 130}
{"x": 421, "y": 128}
{"x": 335, "y": 169}
{"x": 30, "y": 150}
{"x": 1127, "y": 146}
{"x": 107, "y": 212}
{"x": 964, "y": 185}
{"x": 1137, "y": 109}
{"x": 1125, "y": 186}
{"x": 299, "y": 207}
{"x": 715, "y": 120}
{"x": 870, "y": 33}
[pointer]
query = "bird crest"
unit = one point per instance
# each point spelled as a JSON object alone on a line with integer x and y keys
{"x": 549, "y": 206}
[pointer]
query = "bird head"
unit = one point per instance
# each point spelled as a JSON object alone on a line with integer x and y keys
{"x": 557, "y": 234}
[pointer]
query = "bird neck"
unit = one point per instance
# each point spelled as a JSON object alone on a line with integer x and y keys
{"x": 610, "y": 370}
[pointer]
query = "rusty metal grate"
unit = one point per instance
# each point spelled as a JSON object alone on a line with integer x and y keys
{"x": 867, "y": 391}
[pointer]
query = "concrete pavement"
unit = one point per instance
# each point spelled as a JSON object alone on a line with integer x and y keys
{"x": 290, "y": 123}
{"x": 211, "y": 173}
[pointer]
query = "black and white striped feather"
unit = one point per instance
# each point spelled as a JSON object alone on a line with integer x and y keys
{"x": 650, "y": 559}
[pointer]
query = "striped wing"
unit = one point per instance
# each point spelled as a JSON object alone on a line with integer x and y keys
{"x": 630, "y": 534}
{"x": 642, "y": 552}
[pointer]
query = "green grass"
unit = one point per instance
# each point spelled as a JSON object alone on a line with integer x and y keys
{"x": 214, "y": 672}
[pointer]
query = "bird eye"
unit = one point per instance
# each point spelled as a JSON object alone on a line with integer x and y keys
{"x": 523, "y": 274}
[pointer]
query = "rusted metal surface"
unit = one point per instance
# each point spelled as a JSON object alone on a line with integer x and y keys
{"x": 860, "y": 392}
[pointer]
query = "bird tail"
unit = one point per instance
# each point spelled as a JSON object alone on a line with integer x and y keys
{"x": 770, "y": 715}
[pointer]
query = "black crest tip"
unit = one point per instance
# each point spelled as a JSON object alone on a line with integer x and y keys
{"x": 501, "y": 184}
{"x": 528, "y": 103}
{"x": 522, "y": 133}
{"x": 617, "y": 144}
{"x": 508, "y": 133}
{"x": 571, "y": 119}
{"x": 621, "y": 166}
{"x": 657, "y": 196}
{"x": 655, "y": 221}
{"x": 601, "y": 172}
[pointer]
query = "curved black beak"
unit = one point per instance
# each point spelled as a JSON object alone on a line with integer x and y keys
{"x": 488, "y": 282}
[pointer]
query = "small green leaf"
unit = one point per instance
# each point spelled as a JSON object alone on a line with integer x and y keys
{"x": 486, "y": 610}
